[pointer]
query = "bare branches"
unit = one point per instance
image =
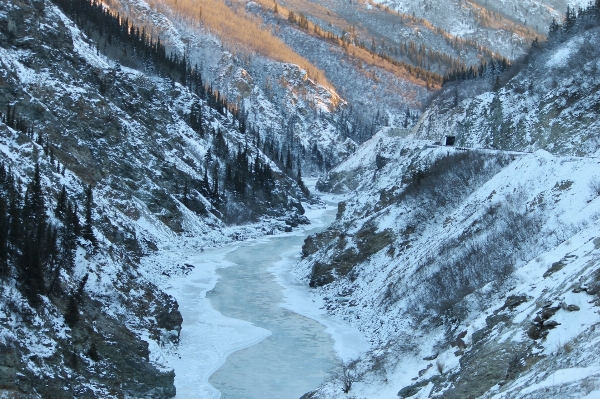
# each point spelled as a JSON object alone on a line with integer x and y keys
{"x": 594, "y": 185}
{"x": 348, "y": 375}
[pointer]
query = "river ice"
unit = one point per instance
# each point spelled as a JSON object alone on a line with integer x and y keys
{"x": 250, "y": 330}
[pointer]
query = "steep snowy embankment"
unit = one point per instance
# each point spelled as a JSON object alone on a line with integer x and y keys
{"x": 472, "y": 272}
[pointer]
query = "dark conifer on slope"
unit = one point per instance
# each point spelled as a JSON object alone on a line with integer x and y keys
{"x": 88, "y": 232}
{"x": 61, "y": 205}
{"x": 72, "y": 312}
{"x": 4, "y": 228}
{"x": 301, "y": 183}
{"x": 33, "y": 250}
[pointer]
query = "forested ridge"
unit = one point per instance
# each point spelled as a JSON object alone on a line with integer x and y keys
{"x": 574, "y": 22}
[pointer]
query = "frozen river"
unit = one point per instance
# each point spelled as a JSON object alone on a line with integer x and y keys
{"x": 250, "y": 330}
{"x": 298, "y": 354}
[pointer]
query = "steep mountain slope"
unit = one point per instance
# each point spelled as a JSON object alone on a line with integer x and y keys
{"x": 357, "y": 43}
{"x": 282, "y": 101}
{"x": 118, "y": 126}
{"x": 443, "y": 256}
{"x": 550, "y": 102}
{"x": 146, "y": 165}
{"x": 378, "y": 60}
{"x": 436, "y": 243}
{"x": 427, "y": 23}
{"x": 472, "y": 18}
{"x": 473, "y": 272}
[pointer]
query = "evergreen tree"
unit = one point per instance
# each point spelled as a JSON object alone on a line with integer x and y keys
{"x": 61, "y": 204}
{"x": 208, "y": 157}
{"x": 497, "y": 85}
{"x": 93, "y": 352}
{"x": 15, "y": 234}
{"x": 34, "y": 205}
{"x": 73, "y": 219}
{"x": 288, "y": 162}
{"x": 68, "y": 239}
{"x": 570, "y": 19}
{"x": 4, "y": 229}
{"x": 30, "y": 272}
{"x": 88, "y": 232}
{"x": 72, "y": 312}
{"x": 205, "y": 183}
{"x": 82, "y": 284}
{"x": 215, "y": 191}
{"x": 301, "y": 183}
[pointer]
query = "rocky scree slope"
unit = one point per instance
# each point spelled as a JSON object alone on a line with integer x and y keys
{"x": 95, "y": 328}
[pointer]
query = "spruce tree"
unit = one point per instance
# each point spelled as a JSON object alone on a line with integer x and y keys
{"x": 4, "y": 229}
{"x": 301, "y": 183}
{"x": 215, "y": 178}
{"x": 61, "y": 205}
{"x": 73, "y": 219}
{"x": 288, "y": 162}
{"x": 68, "y": 240}
{"x": 15, "y": 235}
{"x": 30, "y": 271}
{"x": 35, "y": 204}
{"x": 88, "y": 232}
{"x": 72, "y": 312}
{"x": 93, "y": 352}
{"x": 208, "y": 157}
{"x": 205, "y": 183}
{"x": 570, "y": 19}
{"x": 497, "y": 85}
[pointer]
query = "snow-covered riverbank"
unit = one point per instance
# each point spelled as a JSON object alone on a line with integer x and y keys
{"x": 208, "y": 337}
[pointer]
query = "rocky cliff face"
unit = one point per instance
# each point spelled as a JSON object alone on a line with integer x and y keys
{"x": 121, "y": 130}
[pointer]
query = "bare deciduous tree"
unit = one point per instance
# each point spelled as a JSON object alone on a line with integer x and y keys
{"x": 594, "y": 185}
{"x": 348, "y": 376}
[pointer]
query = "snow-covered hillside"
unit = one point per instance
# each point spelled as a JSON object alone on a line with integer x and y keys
{"x": 473, "y": 273}
{"x": 464, "y": 32}
{"x": 474, "y": 270}
{"x": 550, "y": 101}
{"x": 465, "y": 18}
{"x": 159, "y": 162}
{"x": 280, "y": 101}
